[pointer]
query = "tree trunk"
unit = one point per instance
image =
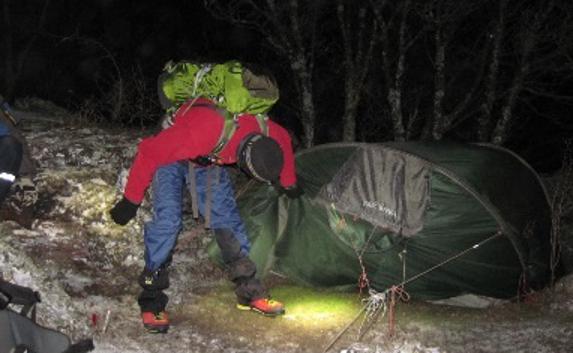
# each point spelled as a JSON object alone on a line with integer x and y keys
{"x": 392, "y": 81}
{"x": 302, "y": 63}
{"x": 501, "y": 130}
{"x": 503, "y": 125}
{"x": 358, "y": 46}
{"x": 485, "y": 118}
{"x": 439, "y": 85}
{"x": 395, "y": 93}
{"x": 308, "y": 111}
{"x": 292, "y": 36}
{"x": 394, "y": 72}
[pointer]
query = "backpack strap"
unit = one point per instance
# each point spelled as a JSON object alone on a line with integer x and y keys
{"x": 229, "y": 128}
{"x": 18, "y": 295}
{"x": 263, "y": 125}
{"x": 192, "y": 184}
{"x": 208, "y": 198}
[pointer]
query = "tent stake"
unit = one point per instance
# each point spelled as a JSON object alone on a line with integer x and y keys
{"x": 411, "y": 279}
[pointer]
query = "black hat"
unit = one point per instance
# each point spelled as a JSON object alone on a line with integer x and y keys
{"x": 260, "y": 157}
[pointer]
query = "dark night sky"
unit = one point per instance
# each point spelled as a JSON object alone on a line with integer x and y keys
{"x": 149, "y": 35}
{"x": 70, "y": 57}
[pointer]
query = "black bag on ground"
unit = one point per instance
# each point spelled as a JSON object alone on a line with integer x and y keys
{"x": 19, "y": 331}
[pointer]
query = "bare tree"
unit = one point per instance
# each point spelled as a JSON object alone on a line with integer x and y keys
{"x": 290, "y": 28}
{"x": 561, "y": 206}
{"x": 538, "y": 34}
{"x": 358, "y": 46}
{"x": 396, "y": 39}
{"x": 490, "y": 89}
{"x": 446, "y": 18}
{"x": 527, "y": 40}
{"x": 424, "y": 88}
{"x": 514, "y": 61}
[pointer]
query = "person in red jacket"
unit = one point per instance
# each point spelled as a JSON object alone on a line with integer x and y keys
{"x": 196, "y": 131}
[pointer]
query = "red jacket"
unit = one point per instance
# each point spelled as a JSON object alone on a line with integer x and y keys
{"x": 195, "y": 132}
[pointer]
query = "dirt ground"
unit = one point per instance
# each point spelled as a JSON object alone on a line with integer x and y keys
{"x": 205, "y": 319}
{"x": 86, "y": 269}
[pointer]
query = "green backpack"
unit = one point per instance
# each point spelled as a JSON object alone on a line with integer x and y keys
{"x": 234, "y": 89}
{"x": 231, "y": 85}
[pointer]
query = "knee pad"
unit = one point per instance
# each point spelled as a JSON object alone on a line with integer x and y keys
{"x": 241, "y": 269}
{"x": 228, "y": 244}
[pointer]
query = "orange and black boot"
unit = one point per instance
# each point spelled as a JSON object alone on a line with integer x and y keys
{"x": 264, "y": 306}
{"x": 155, "y": 322}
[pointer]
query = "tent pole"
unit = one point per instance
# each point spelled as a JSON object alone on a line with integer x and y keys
{"x": 473, "y": 247}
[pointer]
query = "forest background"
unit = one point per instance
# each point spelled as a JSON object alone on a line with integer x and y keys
{"x": 374, "y": 70}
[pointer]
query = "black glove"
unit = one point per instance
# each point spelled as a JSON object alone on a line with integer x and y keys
{"x": 123, "y": 211}
{"x": 292, "y": 192}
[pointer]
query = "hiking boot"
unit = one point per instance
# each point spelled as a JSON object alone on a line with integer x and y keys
{"x": 155, "y": 322}
{"x": 264, "y": 306}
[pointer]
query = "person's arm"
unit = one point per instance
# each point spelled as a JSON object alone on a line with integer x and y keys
{"x": 194, "y": 133}
{"x": 170, "y": 145}
{"x": 173, "y": 144}
{"x": 288, "y": 173}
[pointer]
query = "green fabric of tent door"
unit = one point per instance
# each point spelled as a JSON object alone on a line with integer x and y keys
{"x": 407, "y": 212}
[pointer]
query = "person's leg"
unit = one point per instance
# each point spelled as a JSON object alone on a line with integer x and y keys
{"x": 224, "y": 211}
{"x": 160, "y": 237}
{"x": 10, "y": 159}
{"x": 240, "y": 268}
{"x": 231, "y": 237}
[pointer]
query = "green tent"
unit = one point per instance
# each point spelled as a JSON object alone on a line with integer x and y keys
{"x": 446, "y": 219}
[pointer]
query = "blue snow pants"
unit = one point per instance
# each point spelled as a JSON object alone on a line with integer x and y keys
{"x": 160, "y": 234}
{"x": 168, "y": 188}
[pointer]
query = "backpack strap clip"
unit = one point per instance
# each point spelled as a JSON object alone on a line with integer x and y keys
{"x": 230, "y": 123}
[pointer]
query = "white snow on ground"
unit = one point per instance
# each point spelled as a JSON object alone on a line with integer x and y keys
{"x": 85, "y": 268}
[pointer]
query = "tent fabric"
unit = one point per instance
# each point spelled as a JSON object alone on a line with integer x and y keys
{"x": 390, "y": 192}
{"x": 410, "y": 212}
